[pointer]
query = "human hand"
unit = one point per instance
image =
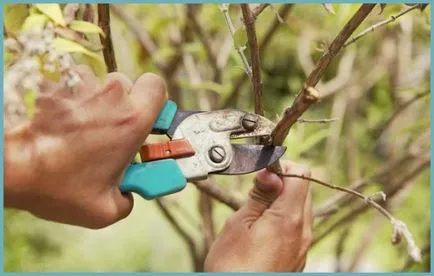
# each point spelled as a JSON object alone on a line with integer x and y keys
{"x": 272, "y": 231}
{"x": 66, "y": 164}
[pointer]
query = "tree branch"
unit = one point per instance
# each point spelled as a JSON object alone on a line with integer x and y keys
{"x": 265, "y": 41}
{"x": 205, "y": 210}
{"x": 137, "y": 29}
{"x": 307, "y": 95}
{"x": 317, "y": 121}
{"x": 225, "y": 9}
{"x": 258, "y": 9}
{"x": 219, "y": 194}
{"x": 249, "y": 22}
{"x": 382, "y": 23}
{"x": 399, "y": 227}
{"x": 205, "y": 40}
{"x": 197, "y": 262}
{"x": 106, "y": 41}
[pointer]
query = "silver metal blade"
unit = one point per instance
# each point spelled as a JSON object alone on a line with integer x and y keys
{"x": 251, "y": 158}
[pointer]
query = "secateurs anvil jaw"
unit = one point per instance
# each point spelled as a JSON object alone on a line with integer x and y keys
{"x": 200, "y": 145}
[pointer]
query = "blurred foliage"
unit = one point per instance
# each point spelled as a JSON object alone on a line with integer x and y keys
{"x": 336, "y": 152}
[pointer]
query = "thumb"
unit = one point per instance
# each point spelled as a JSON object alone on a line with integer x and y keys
{"x": 148, "y": 95}
{"x": 267, "y": 187}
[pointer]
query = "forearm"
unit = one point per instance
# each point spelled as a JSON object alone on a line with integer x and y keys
{"x": 19, "y": 173}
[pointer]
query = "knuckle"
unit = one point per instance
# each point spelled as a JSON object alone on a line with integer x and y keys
{"x": 295, "y": 222}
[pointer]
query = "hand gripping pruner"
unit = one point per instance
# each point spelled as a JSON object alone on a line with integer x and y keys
{"x": 200, "y": 145}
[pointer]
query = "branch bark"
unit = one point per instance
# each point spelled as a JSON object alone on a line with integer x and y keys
{"x": 249, "y": 22}
{"x": 106, "y": 41}
{"x": 382, "y": 23}
{"x": 308, "y": 96}
{"x": 219, "y": 194}
{"x": 258, "y": 9}
{"x": 265, "y": 41}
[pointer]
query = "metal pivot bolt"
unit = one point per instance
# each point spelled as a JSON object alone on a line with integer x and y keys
{"x": 249, "y": 121}
{"x": 217, "y": 154}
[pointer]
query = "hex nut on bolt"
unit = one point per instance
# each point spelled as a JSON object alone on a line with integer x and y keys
{"x": 217, "y": 154}
{"x": 249, "y": 121}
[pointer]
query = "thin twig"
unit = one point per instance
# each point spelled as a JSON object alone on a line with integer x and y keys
{"x": 249, "y": 22}
{"x": 106, "y": 40}
{"x": 367, "y": 199}
{"x": 317, "y": 121}
{"x": 340, "y": 249}
{"x": 305, "y": 97}
{"x": 137, "y": 28}
{"x": 391, "y": 190}
{"x": 399, "y": 227}
{"x": 265, "y": 42}
{"x": 206, "y": 211}
{"x": 380, "y": 24}
{"x": 219, "y": 194}
{"x": 259, "y": 9}
{"x": 225, "y": 9}
{"x": 205, "y": 40}
{"x": 74, "y": 36}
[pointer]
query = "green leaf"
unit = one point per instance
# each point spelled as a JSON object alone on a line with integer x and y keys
{"x": 69, "y": 46}
{"x": 14, "y": 17}
{"x": 34, "y": 20}
{"x": 85, "y": 27}
{"x": 240, "y": 37}
{"x": 53, "y": 11}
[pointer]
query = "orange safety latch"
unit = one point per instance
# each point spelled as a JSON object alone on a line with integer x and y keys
{"x": 171, "y": 149}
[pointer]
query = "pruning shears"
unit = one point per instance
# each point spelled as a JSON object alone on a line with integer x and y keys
{"x": 200, "y": 144}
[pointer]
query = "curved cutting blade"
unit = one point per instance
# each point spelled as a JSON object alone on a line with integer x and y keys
{"x": 251, "y": 158}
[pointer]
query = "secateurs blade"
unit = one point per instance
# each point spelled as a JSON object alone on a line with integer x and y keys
{"x": 200, "y": 144}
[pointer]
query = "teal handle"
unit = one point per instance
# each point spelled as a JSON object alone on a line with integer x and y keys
{"x": 153, "y": 179}
{"x": 165, "y": 117}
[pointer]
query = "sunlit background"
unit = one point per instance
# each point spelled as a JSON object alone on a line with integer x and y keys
{"x": 377, "y": 88}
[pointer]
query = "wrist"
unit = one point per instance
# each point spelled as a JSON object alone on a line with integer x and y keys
{"x": 19, "y": 173}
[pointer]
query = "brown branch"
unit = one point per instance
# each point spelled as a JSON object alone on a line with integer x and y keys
{"x": 197, "y": 262}
{"x": 204, "y": 39}
{"x": 307, "y": 95}
{"x": 88, "y": 14}
{"x": 265, "y": 42}
{"x": 382, "y": 23}
{"x": 106, "y": 40}
{"x": 249, "y": 22}
{"x": 219, "y": 194}
{"x": 340, "y": 249}
{"x": 137, "y": 29}
{"x": 391, "y": 190}
{"x": 76, "y": 37}
{"x": 258, "y": 10}
{"x": 399, "y": 227}
{"x": 317, "y": 121}
{"x": 367, "y": 199}
{"x": 205, "y": 209}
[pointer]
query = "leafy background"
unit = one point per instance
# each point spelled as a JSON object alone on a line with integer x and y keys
{"x": 145, "y": 241}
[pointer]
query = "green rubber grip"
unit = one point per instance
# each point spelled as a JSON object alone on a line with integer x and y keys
{"x": 153, "y": 179}
{"x": 165, "y": 117}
